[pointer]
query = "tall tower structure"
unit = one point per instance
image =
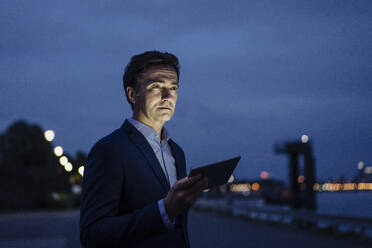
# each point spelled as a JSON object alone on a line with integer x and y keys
{"x": 301, "y": 185}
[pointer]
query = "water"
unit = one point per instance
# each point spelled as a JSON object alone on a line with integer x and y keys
{"x": 355, "y": 204}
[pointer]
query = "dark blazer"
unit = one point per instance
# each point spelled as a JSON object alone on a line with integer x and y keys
{"x": 122, "y": 184}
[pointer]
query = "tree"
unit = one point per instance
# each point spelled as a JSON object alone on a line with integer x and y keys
{"x": 29, "y": 169}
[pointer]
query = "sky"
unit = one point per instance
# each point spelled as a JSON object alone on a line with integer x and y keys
{"x": 253, "y": 74}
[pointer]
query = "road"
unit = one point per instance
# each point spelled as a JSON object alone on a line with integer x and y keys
{"x": 60, "y": 230}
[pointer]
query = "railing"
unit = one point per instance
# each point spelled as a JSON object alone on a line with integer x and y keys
{"x": 361, "y": 226}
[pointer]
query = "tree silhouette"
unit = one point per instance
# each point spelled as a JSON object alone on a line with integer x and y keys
{"x": 29, "y": 171}
{"x": 25, "y": 145}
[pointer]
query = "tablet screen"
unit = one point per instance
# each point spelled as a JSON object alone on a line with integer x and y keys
{"x": 217, "y": 173}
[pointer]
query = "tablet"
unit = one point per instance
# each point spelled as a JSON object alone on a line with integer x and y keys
{"x": 217, "y": 173}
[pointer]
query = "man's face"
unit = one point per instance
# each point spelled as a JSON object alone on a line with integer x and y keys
{"x": 156, "y": 95}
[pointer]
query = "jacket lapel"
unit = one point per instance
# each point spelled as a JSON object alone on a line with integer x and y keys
{"x": 140, "y": 141}
{"x": 180, "y": 159}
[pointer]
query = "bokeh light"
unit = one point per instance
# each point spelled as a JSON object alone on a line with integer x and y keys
{"x": 49, "y": 135}
{"x": 368, "y": 170}
{"x": 264, "y": 175}
{"x": 58, "y": 151}
{"x": 68, "y": 167}
{"x": 255, "y": 186}
{"x": 300, "y": 179}
{"x": 360, "y": 165}
{"x": 304, "y": 138}
{"x": 81, "y": 170}
{"x": 63, "y": 160}
{"x": 231, "y": 179}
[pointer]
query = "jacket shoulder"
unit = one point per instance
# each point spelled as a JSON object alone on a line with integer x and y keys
{"x": 111, "y": 140}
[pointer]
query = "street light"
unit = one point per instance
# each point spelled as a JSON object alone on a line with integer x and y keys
{"x": 58, "y": 151}
{"x": 304, "y": 138}
{"x": 81, "y": 170}
{"x": 68, "y": 167}
{"x": 49, "y": 135}
{"x": 63, "y": 160}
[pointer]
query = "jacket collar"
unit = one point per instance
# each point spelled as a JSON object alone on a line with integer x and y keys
{"x": 179, "y": 158}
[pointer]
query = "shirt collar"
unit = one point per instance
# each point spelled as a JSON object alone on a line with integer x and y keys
{"x": 149, "y": 132}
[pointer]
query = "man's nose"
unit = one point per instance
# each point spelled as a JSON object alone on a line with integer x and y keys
{"x": 165, "y": 94}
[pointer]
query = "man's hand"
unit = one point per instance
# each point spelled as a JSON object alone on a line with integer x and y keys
{"x": 183, "y": 194}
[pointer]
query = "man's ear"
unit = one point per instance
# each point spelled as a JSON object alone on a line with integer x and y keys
{"x": 131, "y": 94}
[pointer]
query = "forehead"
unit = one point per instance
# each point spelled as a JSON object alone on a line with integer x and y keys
{"x": 159, "y": 73}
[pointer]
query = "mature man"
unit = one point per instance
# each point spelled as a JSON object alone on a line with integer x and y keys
{"x": 135, "y": 189}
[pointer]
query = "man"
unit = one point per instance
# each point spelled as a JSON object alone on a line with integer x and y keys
{"x": 135, "y": 190}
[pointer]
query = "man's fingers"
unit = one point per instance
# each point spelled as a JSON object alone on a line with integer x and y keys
{"x": 198, "y": 187}
{"x": 184, "y": 194}
{"x": 186, "y": 182}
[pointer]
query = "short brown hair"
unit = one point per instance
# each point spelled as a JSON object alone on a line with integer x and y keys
{"x": 140, "y": 62}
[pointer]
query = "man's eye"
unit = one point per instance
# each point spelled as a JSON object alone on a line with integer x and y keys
{"x": 155, "y": 86}
{"x": 175, "y": 88}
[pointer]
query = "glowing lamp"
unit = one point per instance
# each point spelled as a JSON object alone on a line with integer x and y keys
{"x": 264, "y": 175}
{"x": 304, "y": 138}
{"x": 255, "y": 186}
{"x": 301, "y": 179}
{"x": 81, "y": 170}
{"x": 63, "y": 160}
{"x": 49, "y": 135}
{"x": 68, "y": 167}
{"x": 58, "y": 151}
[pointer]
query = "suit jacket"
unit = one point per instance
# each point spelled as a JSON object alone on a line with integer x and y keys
{"x": 122, "y": 184}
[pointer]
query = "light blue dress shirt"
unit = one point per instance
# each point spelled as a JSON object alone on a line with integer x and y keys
{"x": 164, "y": 155}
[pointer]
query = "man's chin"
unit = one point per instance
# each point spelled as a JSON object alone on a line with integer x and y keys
{"x": 165, "y": 116}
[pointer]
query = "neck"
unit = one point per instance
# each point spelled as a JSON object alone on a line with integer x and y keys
{"x": 157, "y": 126}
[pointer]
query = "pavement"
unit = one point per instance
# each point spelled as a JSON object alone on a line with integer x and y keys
{"x": 59, "y": 229}
{"x": 52, "y": 229}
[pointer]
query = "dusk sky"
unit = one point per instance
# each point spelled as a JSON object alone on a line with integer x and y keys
{"x": 253, "y": 73}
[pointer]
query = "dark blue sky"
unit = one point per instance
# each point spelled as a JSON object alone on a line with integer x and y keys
{"x": 253, "y": 73}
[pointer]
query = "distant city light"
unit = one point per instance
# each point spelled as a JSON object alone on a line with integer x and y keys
{"x": 223, "y": 188}
{"x": 349, "y": 186}
{"x": 63, "y": 160}
{"x": 76, "y": 189}
{"x": 264, "y": 175}
{"x": 242, "y": 187}
{"x": 316, "y": 187}
{"x": 81, "y": 170}
{"x": 304, "y": 138}
{"x": 368, "y": 170}
{"x": 55, "y": 196}
{"x": 246, "y": 188}
{"x": 68, "y": 167}
{"x": 58, "y": 151}
{"x": 231, "y": 179}
{"x": 365, "y": 186}
{"x": 300, "y": 179}
{"x": 360, "y": 165}
{"x": 49, "y": 135}
{"x": 255, "y": 186}
{"x": 342, "y": 186}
